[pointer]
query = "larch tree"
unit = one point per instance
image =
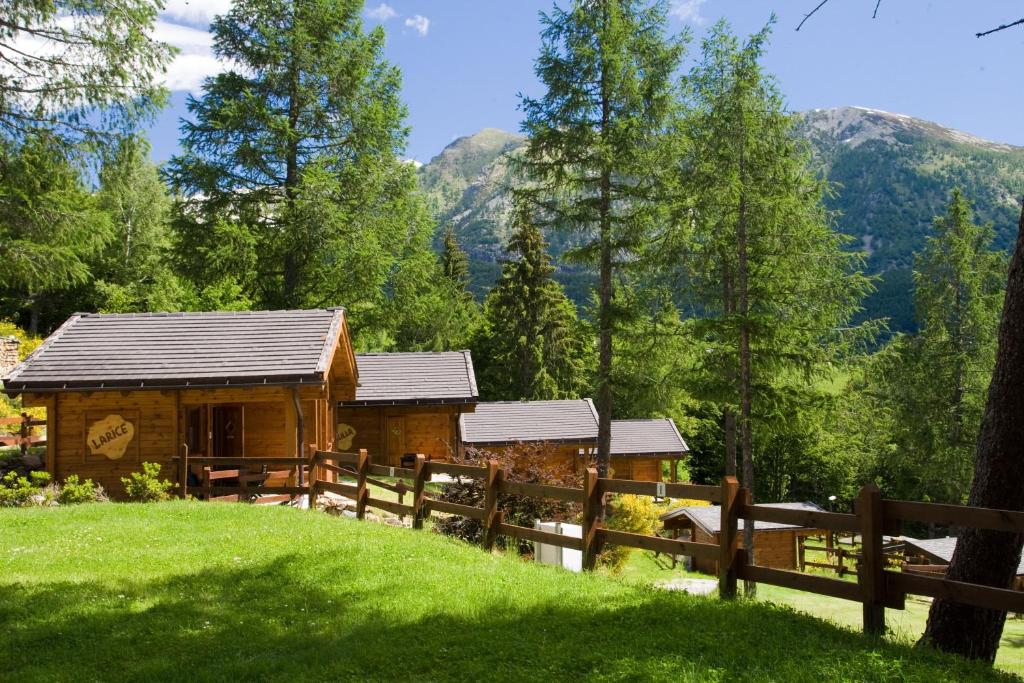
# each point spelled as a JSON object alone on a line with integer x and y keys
{"x": 82, "y": 70}
{"x": 531, "y": 345}
{"x": 296, "y": 150}
{"x": 935, "y": 380}
{"x": 772, "y": 281}
{"x": 593, "y": 160}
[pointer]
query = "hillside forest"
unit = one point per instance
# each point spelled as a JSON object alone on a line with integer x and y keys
{"x": 713, "y": 281}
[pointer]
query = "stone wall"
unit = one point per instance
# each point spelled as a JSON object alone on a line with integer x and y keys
{"x": 8, "y": 354}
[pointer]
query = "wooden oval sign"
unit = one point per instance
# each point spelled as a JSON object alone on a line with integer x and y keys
{"x": 345, "y": 435}
{"x": 110, "y": 436}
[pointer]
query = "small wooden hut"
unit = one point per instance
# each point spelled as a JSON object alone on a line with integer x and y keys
{"x": 408, "y": 403}
{"x": 775, "y": 545}
{"x": 567, "y": 427}
{"x": 933, "y": 555}
{"x": 639, "y": 447}
{"x": 120, "y": 390}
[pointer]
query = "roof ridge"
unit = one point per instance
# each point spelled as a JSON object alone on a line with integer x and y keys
{"x": 470, "y": 372}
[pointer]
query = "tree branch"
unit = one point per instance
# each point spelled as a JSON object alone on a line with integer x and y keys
{"x": 811, "y": 14}
{"x": 997, "y": 29}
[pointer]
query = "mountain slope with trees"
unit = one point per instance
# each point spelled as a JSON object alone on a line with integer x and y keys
{"x": 893, "y": 174}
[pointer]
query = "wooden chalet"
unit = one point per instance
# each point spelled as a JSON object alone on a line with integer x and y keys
{"x": 120, "y": 390}
{"x": 933, "y": 555}
{"x": 639, "y": 447}
{"x": 567, "y": 427}
{"x": 775, "y": 544}
{"x": 407, "y": 403}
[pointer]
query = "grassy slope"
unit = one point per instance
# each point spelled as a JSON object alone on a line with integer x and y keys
{"x": 213, "y": 592}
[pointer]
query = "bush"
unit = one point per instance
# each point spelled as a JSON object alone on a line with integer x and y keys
{"x": 75, "y": 492}
{"x": 635, "y": 514}
{"x": 18, "y": 491}
{"x": 524, "y": 462}
{"x": 146, "y": 486}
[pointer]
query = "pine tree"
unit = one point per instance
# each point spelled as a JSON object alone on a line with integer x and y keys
{"x": 771, "y": 279}
{"x": 297, "y": 152}
{"x": 935, "y": 381}
{"x": 454, "y": 262}
{"x": 595, "y": 151}
{"x": 531, "y": 345}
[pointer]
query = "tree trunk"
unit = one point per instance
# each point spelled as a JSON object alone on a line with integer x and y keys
{"x": 991, "y": 557}
{"x": 290, "y": 285}
{"x": 746, "y": 436}
{"x": 728, "y": 414}
{"x": 605, "y": 295}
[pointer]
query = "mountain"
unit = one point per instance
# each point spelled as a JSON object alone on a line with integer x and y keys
{"x": 892, "y": 174}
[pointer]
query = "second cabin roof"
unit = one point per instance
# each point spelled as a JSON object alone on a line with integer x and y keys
{"x": 507, "y": 422}
{"x": 93, "y": 351}
{"x": 415, "y": 378}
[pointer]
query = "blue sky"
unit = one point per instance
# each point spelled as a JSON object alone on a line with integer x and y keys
{"x": 464, "y": 61}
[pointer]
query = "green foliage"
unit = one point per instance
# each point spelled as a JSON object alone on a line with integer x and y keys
{"x": 596, "y": 151}
{"x": 934, "y": 383}
{"x": 635, "y": 514}
{"x": 133, "y": 273}
{"x": 82, "y": 69}
{"x": 146, "y": 486}
{"x": 531, "y": 346}
{"x": 74, "y": 491}
{"x": 17, "y": 490}
{"x": 531, "y": 463}
{"x": 51, "y": 227}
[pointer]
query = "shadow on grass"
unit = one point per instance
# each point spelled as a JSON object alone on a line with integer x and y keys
{"x": 271, "y": 621}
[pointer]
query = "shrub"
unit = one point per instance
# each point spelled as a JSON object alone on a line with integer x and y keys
{"x": 524, "y": 462}
{"x": 635, "y": 514}
{"x": 74, "y": 491}
{"x": 17, "y": 490}
{"x": 146, "y": 486}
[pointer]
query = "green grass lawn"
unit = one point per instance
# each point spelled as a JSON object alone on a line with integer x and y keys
{"x": 203, "y": 591}
{"x": 905, "y": 626}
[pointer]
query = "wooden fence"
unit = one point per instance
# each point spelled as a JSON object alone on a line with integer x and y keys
{"x": 22, "y": 433}
{"x": 877, "y": 587}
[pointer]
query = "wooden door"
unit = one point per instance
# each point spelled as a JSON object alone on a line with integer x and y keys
{"x": 227, "y": 431}
{"x": 395, "y": 439}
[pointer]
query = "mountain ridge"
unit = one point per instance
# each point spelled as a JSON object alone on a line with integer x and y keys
{"x": 892, "y": 174}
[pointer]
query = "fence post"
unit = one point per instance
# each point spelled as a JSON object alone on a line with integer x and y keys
{"x": 183, "y": 471}
{"x": 801, "y": 553}
{"x": 491, "y": 520}
{"x": 870, "y": 575}
{"x": 728, "y": 538}
{"x": 314, "y": 480}
{"x": 591, "y": 513}
{"x": 418, "y": 483}
{"x": 362, "y": 469}
{"x": 25, "y": 432}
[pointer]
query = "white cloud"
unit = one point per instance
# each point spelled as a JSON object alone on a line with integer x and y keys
{"x": 197, "y": 12}
{"x": 687, "y": 11}
{"x": 194, "y": 62}
{"x": 382, "y": 12}
{"x": 420, "y": 23}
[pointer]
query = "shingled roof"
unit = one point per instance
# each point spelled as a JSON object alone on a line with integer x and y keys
{"x": 92, "y": 351}
{"x": 506, "y": 422}
{"x": 647, "y": 438}
{"x": 709, "y": 517}
{"x": 941, "y": 549}
{"x": 415, "y": 378}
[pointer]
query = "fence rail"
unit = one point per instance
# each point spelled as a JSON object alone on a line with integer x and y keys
{"x": 877, "y": 587}
{"x": 22, "y": 436}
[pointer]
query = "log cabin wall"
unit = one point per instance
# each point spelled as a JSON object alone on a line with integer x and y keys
{"x": 388, "y": 432}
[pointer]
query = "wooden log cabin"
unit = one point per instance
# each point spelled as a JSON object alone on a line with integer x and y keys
{"x": 120, "y": 390}
{"x": 408, "y": 403}
{"x": 569, "y": 429}
{"x": 775, "y": 545}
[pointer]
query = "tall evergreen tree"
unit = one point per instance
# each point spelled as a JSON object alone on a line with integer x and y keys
{"x": 935, "y": 381}
{"x": 595, "y": 146}
{"x": 772, "y": 280}
{"x": 297, "y": 151}
{"x": 454, "y": 261}
{"x": 531, "y": 345}
{"x": 51, "y": 227}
